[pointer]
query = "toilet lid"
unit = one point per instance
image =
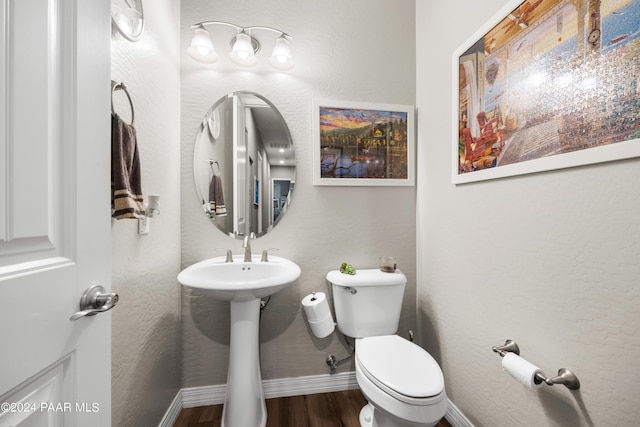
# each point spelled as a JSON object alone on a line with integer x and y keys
{"x": 401, "y": 366}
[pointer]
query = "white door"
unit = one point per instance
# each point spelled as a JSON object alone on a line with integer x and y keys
{"x": 54, "y": 211}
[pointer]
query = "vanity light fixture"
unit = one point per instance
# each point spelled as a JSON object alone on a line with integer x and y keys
{"x": 243, "y": 46}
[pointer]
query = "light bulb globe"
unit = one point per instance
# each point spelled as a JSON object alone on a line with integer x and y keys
{"x": 281, "y": 57}
{"x": 201, "y": 48}
{"x": 242, "y": 53}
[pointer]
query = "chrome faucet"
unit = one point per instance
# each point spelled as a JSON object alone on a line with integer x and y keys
{"x": 247, "y": 246}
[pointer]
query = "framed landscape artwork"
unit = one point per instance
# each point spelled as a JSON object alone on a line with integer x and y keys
{"x": 358, "y": 143}
{"x": 547, "y": 84}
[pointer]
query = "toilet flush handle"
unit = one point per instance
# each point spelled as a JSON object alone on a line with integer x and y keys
{"x": 350, "y": 289}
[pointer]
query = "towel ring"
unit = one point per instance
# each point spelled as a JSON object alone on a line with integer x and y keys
{"x": 121, "y": 86}
{"x": 214, "y": 162}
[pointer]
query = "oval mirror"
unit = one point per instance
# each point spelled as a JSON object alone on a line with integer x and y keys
{"x": 244, "y": 165}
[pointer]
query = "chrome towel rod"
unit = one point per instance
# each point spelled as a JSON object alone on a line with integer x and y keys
{"x": 565, "y": 376}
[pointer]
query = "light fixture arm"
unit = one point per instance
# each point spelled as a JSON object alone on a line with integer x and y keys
{"x": 228, "y": 24}
{"x": 282, "y": 33}
{"x": 241, "y": 29}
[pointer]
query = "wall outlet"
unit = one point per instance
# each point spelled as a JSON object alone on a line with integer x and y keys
{"x": 143, "y": 225}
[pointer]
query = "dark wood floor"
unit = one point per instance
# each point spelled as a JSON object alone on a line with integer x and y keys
{"x": 338, "y": 409}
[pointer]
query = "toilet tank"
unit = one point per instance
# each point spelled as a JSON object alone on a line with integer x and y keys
{"x": 367, "y": 303}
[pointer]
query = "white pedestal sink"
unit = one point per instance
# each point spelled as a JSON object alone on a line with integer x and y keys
{"x": 242, "y": 284}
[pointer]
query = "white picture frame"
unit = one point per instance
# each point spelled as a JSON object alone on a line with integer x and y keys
{"x": 536, "y": 75}
{"x": 363, "y": 144}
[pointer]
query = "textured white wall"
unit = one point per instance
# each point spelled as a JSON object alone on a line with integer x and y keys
{"x": 146, "y": 323}
{"x": 360, "y": 50}
{"x": 550, "y": 260}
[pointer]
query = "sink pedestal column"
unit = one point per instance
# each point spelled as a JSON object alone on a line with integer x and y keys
{"x": 244, "y": 402}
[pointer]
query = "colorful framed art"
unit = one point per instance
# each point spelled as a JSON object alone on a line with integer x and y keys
{"x": 363, "y": 144}
{"x": 547, "y": 84}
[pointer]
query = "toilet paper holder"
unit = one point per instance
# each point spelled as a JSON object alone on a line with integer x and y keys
{"x": 509, "y": 346}
{"x": 564, "y": 377}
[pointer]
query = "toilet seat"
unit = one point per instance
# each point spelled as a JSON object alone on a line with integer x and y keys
{"x": 401, "y": 368}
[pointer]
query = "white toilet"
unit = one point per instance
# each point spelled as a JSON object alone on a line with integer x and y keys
{"x": 402, "y": 382}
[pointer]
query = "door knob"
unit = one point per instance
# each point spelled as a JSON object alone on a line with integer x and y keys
{"x": 95, "y": 300}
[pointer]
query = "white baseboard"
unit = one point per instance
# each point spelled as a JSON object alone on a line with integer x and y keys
{"x": 282, "y": 387}
{"x": 173, "y": 411}
{"x": 455, "y": 417}
{"x": 203, "y": 396}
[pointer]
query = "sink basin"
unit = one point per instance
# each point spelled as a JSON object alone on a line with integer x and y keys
{"x": 242, "y": 284}
{"x": 239, "y": 280}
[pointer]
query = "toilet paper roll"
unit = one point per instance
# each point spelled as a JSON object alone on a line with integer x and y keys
{"x": 316, "y": 306}
{"x": 323, "y": 328}
{"x": 318, "y": 314}
{"x": 520, "y": 369}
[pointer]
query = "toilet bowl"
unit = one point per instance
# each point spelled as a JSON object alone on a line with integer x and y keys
{"x": 402, "y": 382}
